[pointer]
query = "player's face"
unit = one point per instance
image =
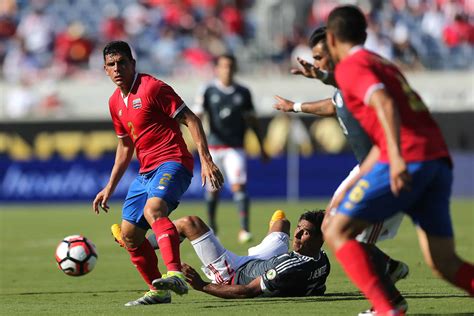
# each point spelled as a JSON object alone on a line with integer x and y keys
{"x": 120, "y": 69}
{"x": 225, "y": 70}
{"x": 306, "y": 239}
{"x": 321, "y": 58}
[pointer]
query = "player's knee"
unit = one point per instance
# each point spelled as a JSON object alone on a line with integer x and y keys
{"x": 130, "y": 241}
{"x": 191, "y": 225}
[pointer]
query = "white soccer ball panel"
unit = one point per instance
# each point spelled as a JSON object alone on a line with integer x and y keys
{"x": 61, "y": 251}
{"x": 78, "y": 252}
{"x": 68, "y": 238}
{"x": 69, "y": 267}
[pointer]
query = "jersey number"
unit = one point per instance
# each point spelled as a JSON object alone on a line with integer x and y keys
{"x": 414, "y": 100}
{"x": 132, "y": 130}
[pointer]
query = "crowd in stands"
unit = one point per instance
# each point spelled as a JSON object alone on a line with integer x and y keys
{"x": 46, "y": 39}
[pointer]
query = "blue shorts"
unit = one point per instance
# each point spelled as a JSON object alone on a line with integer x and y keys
{"x": 427, "y": 203}
{"x": 169, "y": 182}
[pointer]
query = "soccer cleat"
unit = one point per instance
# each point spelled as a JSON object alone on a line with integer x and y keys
{"x": 401, "y": 306}
{"x": 245, "y": 237}
{"x": 117, "y": 233}
{"x": 152, "y": 297}
{"x": 173, "y": 281}
{"x": 397, "y": 270}
{"x": 277, "y": 215}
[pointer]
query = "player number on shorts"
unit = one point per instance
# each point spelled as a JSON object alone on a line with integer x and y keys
{"x": 357, "y": 193}
{"x": 165, "y": 179}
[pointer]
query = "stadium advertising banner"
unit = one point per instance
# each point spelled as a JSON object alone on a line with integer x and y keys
{"x": 71, "y": 161}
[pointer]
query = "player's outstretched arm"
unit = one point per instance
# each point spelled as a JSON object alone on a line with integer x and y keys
{"x": 123, "y": 156}
{"x": 250, "y": 290}
{"x": 320, "y": 108}
{"x": 310, "y": 71}
{"x": 209, "y": 170}
{"x": 389, "y": 119}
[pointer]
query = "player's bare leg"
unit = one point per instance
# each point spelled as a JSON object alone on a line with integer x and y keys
{"x": 360, "y": 264}
{"x": 191, "y": 227}
{"x": 167, "y": 237}
{"x": 441, "y": 257}
{"x": 242, "y": 201}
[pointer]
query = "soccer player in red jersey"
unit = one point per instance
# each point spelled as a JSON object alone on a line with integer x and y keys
{"x": 409, "y": 167}
{"x": 146, "y": 114}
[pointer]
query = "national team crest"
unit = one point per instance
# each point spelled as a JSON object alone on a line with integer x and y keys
{"x": 137, "y": 103}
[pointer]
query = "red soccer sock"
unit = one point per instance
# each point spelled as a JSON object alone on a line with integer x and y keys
{"x": 168, "y": 239}
{"x": 144, "y": 259}
{"x": 361, "y": 271}
{"x": 465, "y": 278}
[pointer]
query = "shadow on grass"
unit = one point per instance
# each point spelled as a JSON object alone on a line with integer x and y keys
{"x": 73, "y": 292}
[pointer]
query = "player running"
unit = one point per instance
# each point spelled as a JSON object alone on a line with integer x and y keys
{"x": 356, "y": 136}
{"x": 409, "y": 168}
{"x": 230, "y": 111}
{"x": 146, "y": 113}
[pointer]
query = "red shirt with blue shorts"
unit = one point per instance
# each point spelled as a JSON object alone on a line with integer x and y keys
{"x": 147, "y": 115}
{"x": 422, "y": 146}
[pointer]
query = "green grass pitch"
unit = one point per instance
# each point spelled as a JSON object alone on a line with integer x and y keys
{"x": 31, "y": 283}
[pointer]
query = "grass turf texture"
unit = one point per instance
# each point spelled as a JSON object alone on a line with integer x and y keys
{"x": 31, "y": 283}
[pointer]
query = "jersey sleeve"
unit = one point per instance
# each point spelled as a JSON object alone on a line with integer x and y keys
{"x": 167, "y": 100}
{"x": 358, "y": 81}
{"x": 118, "y": 127}
{"x": 273, "y": 282}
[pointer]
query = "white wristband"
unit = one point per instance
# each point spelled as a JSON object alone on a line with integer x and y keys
{"x": 297, "y": 106}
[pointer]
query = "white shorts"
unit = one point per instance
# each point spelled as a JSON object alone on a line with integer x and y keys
{"x": 379, "y": 231}
{"x": 220, "y": 264}
{"x": 232, "y": 163}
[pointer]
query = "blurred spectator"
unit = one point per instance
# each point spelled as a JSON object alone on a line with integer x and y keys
{"x": 459, "y": 38}
{"x": 36, "y": 30}
{"x": 72, "y": 49}
{"x": 404, "y": 54}
{"x": 113, "y": 25}
{"x": 8, "y": 11}
{"x": 459, "y": 32}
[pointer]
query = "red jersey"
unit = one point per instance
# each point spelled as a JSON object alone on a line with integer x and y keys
{"x": 361, "y": 74}
{"x": 147, "y": 116}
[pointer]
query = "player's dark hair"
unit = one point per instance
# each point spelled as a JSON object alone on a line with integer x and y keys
{"x": 314, "y": 217}
{"x": 348, "y": 24}
{"x": 226, "y": 56}
{"x": 318, "y": 35}
{"x": 118, "y": 47}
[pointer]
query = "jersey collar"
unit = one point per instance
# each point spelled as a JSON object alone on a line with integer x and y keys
{"x": 355, "y": 49}
{"x": 131, "y": 87}
{"x": 227, "y": 90}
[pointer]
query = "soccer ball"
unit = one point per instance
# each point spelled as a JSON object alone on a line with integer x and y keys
{"x": 76, "y": 255}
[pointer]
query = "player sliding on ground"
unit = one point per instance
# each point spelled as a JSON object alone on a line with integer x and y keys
{"x": 146, "y": 114}
{"x": 269, "y": 269}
